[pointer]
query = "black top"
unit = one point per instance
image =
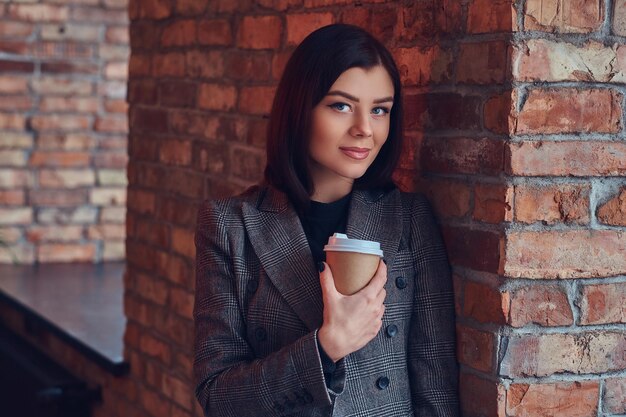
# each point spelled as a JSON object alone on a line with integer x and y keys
{"x": 320, "y": 222}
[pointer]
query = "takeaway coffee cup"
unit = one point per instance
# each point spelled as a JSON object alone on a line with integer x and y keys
{"x": 353, "y": 262}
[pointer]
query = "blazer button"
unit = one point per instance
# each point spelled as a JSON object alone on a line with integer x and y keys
{"x": 401, "y": 283}
{"x": 252, "y": 285}
{"x": 382, "y": 382}
{"x": 391, "y": 330}
{"x": 260, "y": 334}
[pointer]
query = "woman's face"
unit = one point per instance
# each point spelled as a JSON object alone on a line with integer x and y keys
{"x": 349, "y": 126}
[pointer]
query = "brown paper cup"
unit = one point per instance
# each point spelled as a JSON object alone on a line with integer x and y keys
{"x": 351, "y": 270}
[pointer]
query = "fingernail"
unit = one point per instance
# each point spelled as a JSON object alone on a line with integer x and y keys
{"x": 321, "y": 266}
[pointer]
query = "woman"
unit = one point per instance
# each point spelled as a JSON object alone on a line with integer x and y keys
{"x": 273, "y": 336}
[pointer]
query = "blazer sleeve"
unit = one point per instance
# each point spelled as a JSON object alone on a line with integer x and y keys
{"x": 433, "y": 367}
{"x": 230, "y": 381}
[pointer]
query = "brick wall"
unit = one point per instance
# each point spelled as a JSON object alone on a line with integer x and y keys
{"x": 63, "y": 125}
{"x": 523, "y": 161}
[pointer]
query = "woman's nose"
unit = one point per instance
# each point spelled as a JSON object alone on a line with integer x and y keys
{"x": 362, "y": 126}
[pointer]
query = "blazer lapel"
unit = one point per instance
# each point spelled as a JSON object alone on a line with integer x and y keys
{"x": 279, "y": 241}
{"x": 377, "y": 217}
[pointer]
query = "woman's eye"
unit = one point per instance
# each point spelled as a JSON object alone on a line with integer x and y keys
{"x": 342, "y": 107}
{"x": 380, "y": 111}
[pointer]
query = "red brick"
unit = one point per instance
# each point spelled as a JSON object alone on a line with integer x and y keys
{"x": 108, "y": 196}
{"x": 482, "y": 62}
{"x": 186, "y": 122}
{"x": 116, "y": 70}
{"x": 179, "y": 391}
{"x": 154, "y": 403}
{"x": 280, "y": 5}
{"x": 475, "y": 348}
{"x": 579, "y": 353}
{"x": 497, "y": 113}
{"x": 16, "y": 140}
{"x": 52, "y": 85}
{"x": 142, "y": 202}
{"x": 168, "y": 64}
{"x": 149, "y": 9}
{"x": 560, "y": 399}
{"x": 12, "y": 121}
{"x": 14, "y": 158}
{"x": 111, "y": 124}
{"x": 542, "y": 305}
{"x": 104, "y": 159}
{"x": 116, "y": 4}
{"x": 59, "y": 159}
{"x": 182, "y": 242}
{"x": 179, "y": 33}
{"x": 492, "y": 203}
{"x": 565, "y": 254}
{"x": 259, "y": 32}
{"x": 481, "y": 397}
{"x": 489, "y": 16}
{"x": 256, "y": 100}
{"x": 211, "y": 158}
{"x": 84, "y": 252}
{"x": 117, "y": 34}
{"x": 146, "y": 119}
{"x": 614, "y": 396}
{"x": 16, "y": 103}
{"x": 580, "y": 16}
{"x": 68, "y": 104}
{"x": 175, "y": 152}
{"x": 109, "y": 52}
{"x": 247, "y": 164}
{"x": 70, "y": 67}
{"x": 426, "y": 20}
{"x": 569, "y": 110}
{"x": 151, "y": 288}
{"x": 66, "y": 178}
{"x": 38, "y": 12}
{"x": 38, "y": 234}
{"x": 139, "y": 65}
{"x": 177, "y": 94}
{"x": 16, "y": 30}
{"x": 619, "y": 17}
{"x": 217, "y": 97}
{"x": 246, "y": 65}
{"x": 205, "y": 64}
{"x": 566, "y": 203}
{"x": 116, "y": 106}
{"x": 13, "y": 85}
{"x": 613, "y": 212}
{"x": 176, "y": 212}
{"x": 568, "y": 158}
{"x": 60, "y": 122}
{"x": 484, "y": 303}
{"x": 279, "y": 61}
{"x": 449, "y": 198}
{"x": 142, "y": 92}
{"x": 544, "y": 60}
{"x": 66, "y": 141}
{"x": 603, "y": 303}
{"x": 215, "y": 32}
{"x": 463, "y": 155}
{"x": 419, "y": 66}
{"x": 16, "y": 66}
{"x": 443, "y": 111}
{"x": 300, "y": 25}
{"x": 181, "y": 302}
{"x": 475, "y": 249}
{"x": 12, "y": 198}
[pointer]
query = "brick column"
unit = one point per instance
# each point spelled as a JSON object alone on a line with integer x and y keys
{"x": 63, "y": 130}
{"x": 524, "y": 166}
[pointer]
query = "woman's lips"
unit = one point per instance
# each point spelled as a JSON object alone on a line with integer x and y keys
{"x": 356, "y": 153}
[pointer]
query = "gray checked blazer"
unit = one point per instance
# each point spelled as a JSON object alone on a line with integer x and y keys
{"x": 259, "y": 304}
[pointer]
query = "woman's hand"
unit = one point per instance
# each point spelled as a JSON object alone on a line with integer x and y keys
{"x": 351, "y": 321}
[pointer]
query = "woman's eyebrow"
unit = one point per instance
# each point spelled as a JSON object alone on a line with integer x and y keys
{"x": 351, "y": 97}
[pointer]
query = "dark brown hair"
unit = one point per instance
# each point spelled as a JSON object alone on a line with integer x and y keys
{"x": 310, "y": 72}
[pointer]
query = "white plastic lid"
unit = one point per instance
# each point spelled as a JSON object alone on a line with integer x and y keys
{"x": 340, "y": 242}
